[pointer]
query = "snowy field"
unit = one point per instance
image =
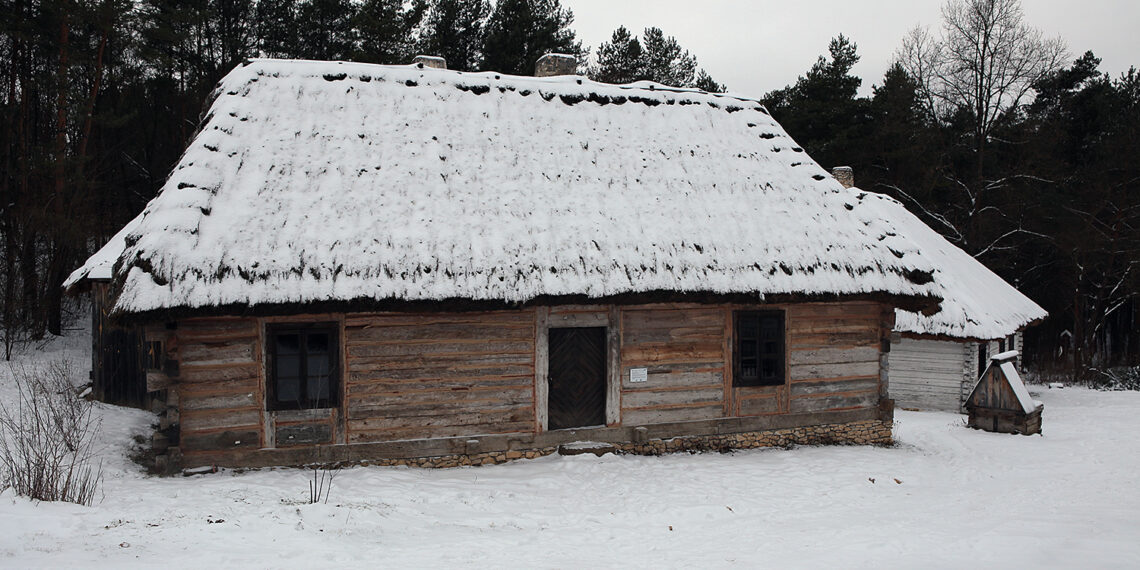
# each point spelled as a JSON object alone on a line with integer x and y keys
{"x": 945, "y": 497}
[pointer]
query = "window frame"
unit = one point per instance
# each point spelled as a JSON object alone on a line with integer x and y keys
{"x": 738, "y": 380}
{"x": 272, "y": 331}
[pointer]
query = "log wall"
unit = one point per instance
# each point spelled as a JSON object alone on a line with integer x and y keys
{"x": 219, "y": 386}
{"x": 449, "y": 376}
{"x": 683, "y": 350}
{"x": 439, "y": 375}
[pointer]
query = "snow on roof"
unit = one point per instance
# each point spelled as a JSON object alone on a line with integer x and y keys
{"x": 99, "y": 266}
{"x": 328, "y": 181}
{"x": 976, "y": 304}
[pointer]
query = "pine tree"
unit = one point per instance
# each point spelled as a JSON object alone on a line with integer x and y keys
{"x": 665, "y": 61}
{"x": 276, "y": 28}
{"x": 384, "y": 29}
{"x": 821, "y": 110}
{"x": 657, "y": 57}
{"x": 521, "y": 31}
{"x": 705, "y": 82}
{"x": 455, "y": 31}
{"x": 620, "y": 60}
{"x": 325, "y": 29}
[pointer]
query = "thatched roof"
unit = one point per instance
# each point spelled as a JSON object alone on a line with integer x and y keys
{"x": 324, "y": 181}
{"x": 977, "y": 304}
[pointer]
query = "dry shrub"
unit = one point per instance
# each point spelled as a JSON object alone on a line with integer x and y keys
{"x": 47, "y": 436}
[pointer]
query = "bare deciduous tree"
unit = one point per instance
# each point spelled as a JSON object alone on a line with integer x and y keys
{"x": 980, "y": 67}
{"x": 985, "y": 61}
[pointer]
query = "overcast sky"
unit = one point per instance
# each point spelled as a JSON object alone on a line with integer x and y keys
{"x": 755, "y": 46}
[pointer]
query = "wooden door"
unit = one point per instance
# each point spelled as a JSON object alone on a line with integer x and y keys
{"x": 577, "y": 377}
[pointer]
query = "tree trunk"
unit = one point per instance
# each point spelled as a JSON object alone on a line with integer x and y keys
{"x": 54, "y": 295}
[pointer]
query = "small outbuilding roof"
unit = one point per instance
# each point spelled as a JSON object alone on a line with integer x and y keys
{"x": 100, "y": 266}
{"x": 325, "y": 181}
{"x": 977, "y": 303}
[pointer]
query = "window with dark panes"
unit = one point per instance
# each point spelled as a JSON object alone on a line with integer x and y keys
{"x": 758, "y": 358}
{"x": 302, "y": 367}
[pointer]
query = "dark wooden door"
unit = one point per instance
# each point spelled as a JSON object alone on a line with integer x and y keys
{"x": 577, "y": 376}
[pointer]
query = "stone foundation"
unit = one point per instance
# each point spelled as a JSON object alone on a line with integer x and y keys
{"x": 869, "y": 432}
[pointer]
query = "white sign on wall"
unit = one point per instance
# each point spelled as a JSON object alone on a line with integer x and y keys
{"x": 638, "y": 374}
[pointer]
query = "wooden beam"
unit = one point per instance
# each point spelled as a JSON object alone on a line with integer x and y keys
{"x": 541, "y": 368}
{"x": 613, "y": 367}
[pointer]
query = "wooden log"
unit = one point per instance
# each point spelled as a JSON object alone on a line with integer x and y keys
{"x": 845, "y": 309}
{"x": 659, "y": 380}
{"x": 638, "y": 321}
{"x": 844, "y": 355}
{"x": 455, "y": 348}
{"x": 214, "y": 419}
{"x": 613, "y": 367}
{"x": 315, "y": 415}
{"x": 758, "y": 406}
{"x": 303, "y": 434}
{"x": 419, "y": 433}
{"x": 240, "y": 400}
{"x": 364, "y": 386}
{"x": 636, "y": 416}
{"x": 193, "y": 373}
{"x": 218, "y": 440}
{"x": 541, "y": 368}
{"x": 820, "y": 371}
{"x": 518, "y": 414}
{"x": 195, "y": 331}
{"x": 441, "y": 373}
{"x": 419, "y": 361}
{"x": 591, "y": 319}
{"x": 228, "y": 351}
{"x": 645, "y": 399}
{"x": 833, "y": 402}
{"x": 869, "y": 383}
{"x": 440, "y": 331}
{"x": 673, "y": 352}
{"x": 362, "y": 320}
{"x": 679, "y": 334}
{"x": 868, "y": 338}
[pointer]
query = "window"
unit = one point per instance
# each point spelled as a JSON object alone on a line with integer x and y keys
{"x": 302, "y": 370}
{"x": 154, "y": 355}
{"x": 759, "y": 356}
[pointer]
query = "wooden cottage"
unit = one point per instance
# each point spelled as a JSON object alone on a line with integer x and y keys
{"x": 999, "y": 401}
{"x": 936, "y": 358}
{"x": 413, "y": 265}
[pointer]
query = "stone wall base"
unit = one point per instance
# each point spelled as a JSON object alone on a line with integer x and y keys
{"x": 868, "y": 432}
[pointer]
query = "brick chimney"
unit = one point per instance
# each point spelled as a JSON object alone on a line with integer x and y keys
{"x": 845, "y": 175}
{"x": 553, "y": 64}
{"x": 430, "y": 61}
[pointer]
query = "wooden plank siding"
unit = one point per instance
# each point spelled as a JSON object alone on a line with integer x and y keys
{"x": 220, "y": 394}
{"x": 928, "y": 374}
{"x": 683, "y": 351}
{"x": 834, "y": 351}
{"x": 418, "y": 376}
{"x": 413, "y": 376}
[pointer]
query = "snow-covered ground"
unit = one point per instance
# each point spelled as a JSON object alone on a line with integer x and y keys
{"x": 945, "y": 497}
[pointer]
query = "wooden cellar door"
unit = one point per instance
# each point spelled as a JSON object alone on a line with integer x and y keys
{"x": 577, "y": 376}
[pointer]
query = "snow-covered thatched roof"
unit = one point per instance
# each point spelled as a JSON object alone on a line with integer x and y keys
{"x": 340, "y": 182}
{"x": 977, "y": 304}
{"x": 100, "y": 265}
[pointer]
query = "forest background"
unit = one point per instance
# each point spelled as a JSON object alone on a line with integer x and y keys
{"x": 1017, "y": 151}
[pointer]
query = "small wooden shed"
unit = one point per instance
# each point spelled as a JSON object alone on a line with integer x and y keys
{"x": 1000, "y": 402}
